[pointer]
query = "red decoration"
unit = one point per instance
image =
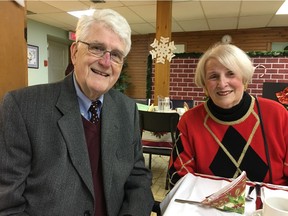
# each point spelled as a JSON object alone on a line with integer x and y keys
{"x": 283, "y": 96}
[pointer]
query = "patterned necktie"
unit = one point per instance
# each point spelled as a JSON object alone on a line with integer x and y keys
{"x": 93, "y": 109}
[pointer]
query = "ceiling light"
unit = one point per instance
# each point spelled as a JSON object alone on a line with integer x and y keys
{"x": 283, "y": 9}
{"x": 78, "y": 14}
{"x": 97, "y": 1}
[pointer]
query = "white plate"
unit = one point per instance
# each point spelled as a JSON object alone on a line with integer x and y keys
{"x": 166, "y": 111}
{"x": 257, "y": 213}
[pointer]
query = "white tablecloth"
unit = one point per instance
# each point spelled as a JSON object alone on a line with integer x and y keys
{"x": 196, "y": 188}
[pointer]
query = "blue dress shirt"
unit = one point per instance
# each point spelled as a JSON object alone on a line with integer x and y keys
{"x": 85, "y": 102}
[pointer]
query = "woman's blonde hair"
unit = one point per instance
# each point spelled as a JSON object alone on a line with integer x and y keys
{"x": 231, "y": 57}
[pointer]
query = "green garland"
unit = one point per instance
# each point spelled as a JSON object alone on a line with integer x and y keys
{"x": 149, "y": 77}
{"x": 198, "y": 55}
{"x": 188, "y": 55}
{"x": 268, "y": 53}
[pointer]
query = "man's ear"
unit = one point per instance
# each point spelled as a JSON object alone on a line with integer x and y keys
{"x": 73, "y": 51}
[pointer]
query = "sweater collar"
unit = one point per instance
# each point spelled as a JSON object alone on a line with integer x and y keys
{"x": 232, "y": 114}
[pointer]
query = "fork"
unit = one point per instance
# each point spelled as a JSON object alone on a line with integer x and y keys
{"x": 249, "y": 197}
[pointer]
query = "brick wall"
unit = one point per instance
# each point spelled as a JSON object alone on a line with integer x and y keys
{"x": 182, "y": 86}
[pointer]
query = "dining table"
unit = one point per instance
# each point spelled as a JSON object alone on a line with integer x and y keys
{"x": 194, "y": 188}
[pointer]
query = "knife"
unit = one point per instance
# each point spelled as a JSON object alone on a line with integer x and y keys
{"x": 188, "y": 201}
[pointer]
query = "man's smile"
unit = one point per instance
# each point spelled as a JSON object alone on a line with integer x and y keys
{"x": 99, "y": 72}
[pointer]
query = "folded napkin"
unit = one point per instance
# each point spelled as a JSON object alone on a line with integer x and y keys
{"x": 142, "y": 107}
{"x": 151, "y": 108}
{"x": 186, "y": 106}
{"x": 231, "y": 197}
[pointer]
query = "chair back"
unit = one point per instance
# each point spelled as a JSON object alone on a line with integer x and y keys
{"x": 159, "y": 122}
{"x": 142, "y": 101}
{"x": 180, "y": 103}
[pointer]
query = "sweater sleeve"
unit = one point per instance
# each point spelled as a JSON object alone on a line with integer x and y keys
{"x": 182, "y": 158}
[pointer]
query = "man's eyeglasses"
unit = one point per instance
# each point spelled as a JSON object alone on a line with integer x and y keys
{"x": 99, "y": 51}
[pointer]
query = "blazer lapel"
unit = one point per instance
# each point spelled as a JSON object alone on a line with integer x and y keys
{"x": 110, "y": 125}
{"x": 71, "y": 126}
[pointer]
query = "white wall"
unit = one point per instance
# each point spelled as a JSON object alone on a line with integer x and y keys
{"x": 279, "y": 46}
{"x": 37, "y": 34}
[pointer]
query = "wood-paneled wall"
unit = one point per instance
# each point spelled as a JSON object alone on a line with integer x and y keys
{"x": 13, "y": 48}
{"x": 247, "y": 39}
{"x": 259, "y": 39}
{"x": 137, "y": 66}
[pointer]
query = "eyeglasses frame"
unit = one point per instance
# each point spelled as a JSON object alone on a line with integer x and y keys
{"x": 104, "y": 52}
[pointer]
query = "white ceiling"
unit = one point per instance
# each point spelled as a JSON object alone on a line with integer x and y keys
{"x": 187, "y": 15}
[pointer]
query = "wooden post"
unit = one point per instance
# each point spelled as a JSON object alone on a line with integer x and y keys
{"x": 163, "y": 28}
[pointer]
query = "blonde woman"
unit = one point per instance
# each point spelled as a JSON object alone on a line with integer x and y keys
{"x": 232, "y": 131}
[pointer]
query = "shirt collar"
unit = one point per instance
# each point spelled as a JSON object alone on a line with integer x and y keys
{"x": 84, "y": 101}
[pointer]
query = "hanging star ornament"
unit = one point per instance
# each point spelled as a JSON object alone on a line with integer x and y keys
{"x": 162, "y": 50}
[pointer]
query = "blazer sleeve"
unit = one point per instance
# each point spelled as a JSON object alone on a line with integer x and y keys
{"x": 15, "y": 157}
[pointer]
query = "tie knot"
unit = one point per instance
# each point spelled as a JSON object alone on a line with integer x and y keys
{"x": 95, "y": 105}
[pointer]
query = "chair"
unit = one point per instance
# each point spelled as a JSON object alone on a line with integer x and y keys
{"x": 161, "y": 123}
{"x": 158, "y": 122}
{"x": 180, "y": 103}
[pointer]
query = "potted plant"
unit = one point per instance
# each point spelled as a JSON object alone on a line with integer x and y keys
{"x": 123, "y": 82}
